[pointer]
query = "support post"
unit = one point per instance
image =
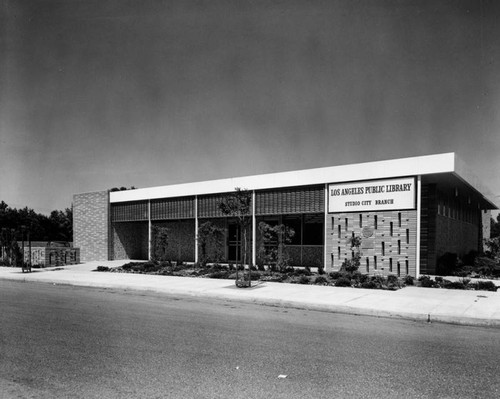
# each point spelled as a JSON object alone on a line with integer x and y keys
{"x": 149, "y": 230}
{"x": 254, "y": 231}
{"x": 419, "y": 215}
{"x": 325, "y": 239}
{"x": 196, "y": 249}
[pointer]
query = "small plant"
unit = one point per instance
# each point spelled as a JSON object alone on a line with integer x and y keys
{"x": 485, "y": 286}
{"x": 223, "y": 274}
{"x": 369, "y": 284}
{"x": 409, "y": 280}
{"x": 379, "y": 280}
{"x": 454, "y": 285}
{"x": 343, "y": 282}
{"x": 426, "y": 281}
{"x": 320, "y": 280}
{"x": 335, "y": 275}
{"x": 102, "y": 268}
{"x": 352, "y": 265}
{"x": 304, "y": 280}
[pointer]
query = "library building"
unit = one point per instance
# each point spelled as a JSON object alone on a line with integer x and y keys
{"x": 408, "y": 213}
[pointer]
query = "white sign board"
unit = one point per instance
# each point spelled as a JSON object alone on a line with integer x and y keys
{"x": 375, "y": 195}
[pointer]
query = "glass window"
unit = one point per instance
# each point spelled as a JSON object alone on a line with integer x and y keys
{"x": 313, "y": 232}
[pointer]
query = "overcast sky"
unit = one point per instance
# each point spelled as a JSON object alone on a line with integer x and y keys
{"x": 96, "y": 94}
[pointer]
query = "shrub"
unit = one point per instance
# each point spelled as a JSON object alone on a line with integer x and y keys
{"x": 320, "y": 280}
{"x": 409, "y": 280}
{"x": 379, "y": 280}
{"x": 274, "y": 277}
{"x": 304, "y": 280}
{"x": 335, "y": 275}
{"x": 141, "y": 267}
{"x": 485, "y": 286}
{"x": 255, "y": 275}
{"x": 343, "y": 282}
{"x": 454, "y": 285}
{"x": 321, "y": 271}
{"x": 301, "y": 272}
{"x": 369, "y": 284}
{"x": 102, "y": 268}
{"x": 351, "y": 265}
{"x": 426, "y": 281}
{"x": 392, "y": 279}
{"x": 486, "y": 266}
{"x": 219, "y": 274}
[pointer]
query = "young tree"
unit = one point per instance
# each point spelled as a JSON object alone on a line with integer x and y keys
{"x": 274, "y": 242}
{"x": 210, "y": 242}
{"x": 352, "y": 265}
{"x": 159, "y": 244}
{"x": 238, "y": 205}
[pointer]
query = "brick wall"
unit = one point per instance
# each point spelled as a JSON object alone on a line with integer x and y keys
{"x": 449, "y": 224}
{"x": 486, "y": 224}
{"x": 388, "y": 241}
{"x": 130, "y": 240}
{"x": 52, "y": 256}
{"x": 181, "y": 239}
{"x": 90, "y": 225}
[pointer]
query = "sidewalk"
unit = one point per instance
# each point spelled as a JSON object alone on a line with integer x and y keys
{"x": 478, "y": 308}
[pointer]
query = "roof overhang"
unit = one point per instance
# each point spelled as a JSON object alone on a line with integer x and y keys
{"x": 414, "y": 166}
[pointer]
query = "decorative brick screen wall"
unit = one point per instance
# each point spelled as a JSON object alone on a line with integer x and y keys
{"x": 90, "y": 225}
{"x": 388, "y": 241}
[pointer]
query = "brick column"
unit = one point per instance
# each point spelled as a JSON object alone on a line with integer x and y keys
{"x": 91, "y": 225}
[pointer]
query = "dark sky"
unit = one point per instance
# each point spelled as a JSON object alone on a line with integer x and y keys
{"x": 105, "y": 93}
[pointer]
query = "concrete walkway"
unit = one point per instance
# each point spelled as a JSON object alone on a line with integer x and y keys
{"x": 479, "y": 308}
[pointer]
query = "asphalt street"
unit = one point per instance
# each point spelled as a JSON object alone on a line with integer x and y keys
{"x": 75, "y": 342}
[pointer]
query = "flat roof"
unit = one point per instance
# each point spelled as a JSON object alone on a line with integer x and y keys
{"x": 414, "y": 166}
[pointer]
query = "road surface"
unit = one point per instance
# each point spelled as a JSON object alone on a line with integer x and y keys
{"x": 73, "y": 342}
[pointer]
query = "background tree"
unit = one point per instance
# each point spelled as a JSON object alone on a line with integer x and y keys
{"x": 495, "y": 227}
{"x": 238, "y": 205}
{"x": 56, "y": 227}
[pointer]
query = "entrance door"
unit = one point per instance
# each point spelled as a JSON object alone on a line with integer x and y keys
{"x": 234, "y": 243}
